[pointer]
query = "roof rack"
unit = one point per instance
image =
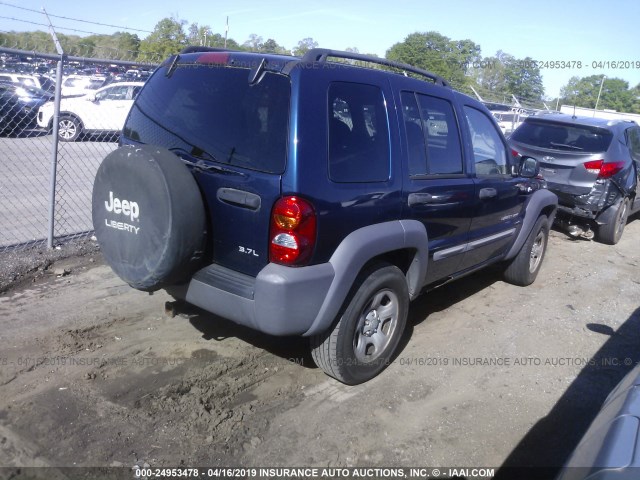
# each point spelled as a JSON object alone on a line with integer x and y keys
{"x": 321, "y": 54}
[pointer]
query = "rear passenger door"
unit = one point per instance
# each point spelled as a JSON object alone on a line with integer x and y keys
{"x": 437, "y": 190}
{"x": 499, "y": 202}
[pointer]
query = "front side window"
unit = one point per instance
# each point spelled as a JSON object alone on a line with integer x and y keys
{"x": 489, "y": 151}
{"x": 358, "y": 133}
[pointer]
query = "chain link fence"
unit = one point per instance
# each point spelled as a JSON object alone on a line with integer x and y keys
{"x": 50, "y": 150}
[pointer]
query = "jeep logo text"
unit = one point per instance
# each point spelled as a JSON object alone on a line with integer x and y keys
{"x": 122, "y": 207}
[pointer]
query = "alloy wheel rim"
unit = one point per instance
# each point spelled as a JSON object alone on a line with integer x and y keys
{"x": 67, "y": 129}
{"x": 622, "y": 215}
{"x": 376, "y": 326}
{"x": 537, "y": 250}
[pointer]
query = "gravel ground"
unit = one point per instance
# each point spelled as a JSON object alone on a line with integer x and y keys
{"x": 18, "y": 267}
{"x": 93, "y": 373}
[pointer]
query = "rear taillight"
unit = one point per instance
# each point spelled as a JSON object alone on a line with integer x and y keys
{"x": 594, "y": 166}
{"x": 603, "y": 169}
{"x": 292, "y": 232}
{"x": 515, "y": 153}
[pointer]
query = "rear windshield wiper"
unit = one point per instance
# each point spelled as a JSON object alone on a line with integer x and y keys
{"x": 203, "y": 155}
{"x": 564, "y": 145}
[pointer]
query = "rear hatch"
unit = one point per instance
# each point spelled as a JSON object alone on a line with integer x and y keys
{"x": 203, "y": 107}
{"x": 570, "y": 155}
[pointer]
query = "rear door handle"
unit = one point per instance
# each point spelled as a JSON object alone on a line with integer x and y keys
{"x": 419, "y": 199}
{"x": 447, "y": 198}
{"x": 486, "y": 193}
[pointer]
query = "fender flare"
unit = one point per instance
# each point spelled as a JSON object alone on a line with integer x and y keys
{"x": 358, "y": 248}
{"x": 608, "y": 214}
{"x": 539, "y": 200}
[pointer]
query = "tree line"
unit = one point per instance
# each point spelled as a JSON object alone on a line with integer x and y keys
{"x": 460, "y": 62}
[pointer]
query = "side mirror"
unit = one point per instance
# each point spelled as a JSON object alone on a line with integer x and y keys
{"x": 529, "y": 167}
{"x": 91, "y": 97}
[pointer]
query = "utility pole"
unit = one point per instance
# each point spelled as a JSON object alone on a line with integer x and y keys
{"x": 598, "y": 99}
{"x": 54, "y": 133}
{"x": 226, "y": 32}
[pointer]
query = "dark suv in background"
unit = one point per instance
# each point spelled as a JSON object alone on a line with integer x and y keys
{"x": 19, "y": 106}
{"x": 303, "y": 196}
{"x": 592, "y": 165}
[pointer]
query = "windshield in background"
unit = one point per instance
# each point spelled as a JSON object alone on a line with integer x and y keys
{"x": 216, "y": 114}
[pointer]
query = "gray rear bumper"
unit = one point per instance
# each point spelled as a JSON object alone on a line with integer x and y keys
{"x": 279, "y": 301}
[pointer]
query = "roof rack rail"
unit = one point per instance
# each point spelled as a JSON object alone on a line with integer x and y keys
{"x": 321, "y": 54}
{"x": 196, "y": 48}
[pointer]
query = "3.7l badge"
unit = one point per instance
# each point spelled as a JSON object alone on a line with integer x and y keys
{"x": 247, "y": 251}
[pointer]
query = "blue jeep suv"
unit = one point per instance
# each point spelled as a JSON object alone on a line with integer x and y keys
{"x": 314, "y": 196}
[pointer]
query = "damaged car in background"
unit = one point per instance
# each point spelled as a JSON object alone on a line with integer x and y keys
{"x": 591, "y": 164}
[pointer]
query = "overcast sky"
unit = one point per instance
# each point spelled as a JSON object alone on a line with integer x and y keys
{"x": 584, "y": 31}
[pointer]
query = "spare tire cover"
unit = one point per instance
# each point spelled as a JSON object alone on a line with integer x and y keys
{"x": 148, "y": 216}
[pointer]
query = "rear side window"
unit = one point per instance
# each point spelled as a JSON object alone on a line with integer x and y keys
{"x": 215, "y": 114}
{"x": 118, "y": 92}
{"x": 559, "y": 136}
{"x": 358, "y": 133}
{"x": 431, "y": 122}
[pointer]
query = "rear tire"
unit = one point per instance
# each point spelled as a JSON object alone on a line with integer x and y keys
{"x": 524, "y": 268}
{"x": 69, "y": 128}
{"x": 611, "y": 233}
{"x": 366, "y": 335}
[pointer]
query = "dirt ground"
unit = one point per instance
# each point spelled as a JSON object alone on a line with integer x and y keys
{"x": 93, "y": 373}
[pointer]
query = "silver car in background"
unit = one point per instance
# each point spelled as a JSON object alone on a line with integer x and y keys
{"x": 591, "y": 164}
{"x": 610, "y": 449}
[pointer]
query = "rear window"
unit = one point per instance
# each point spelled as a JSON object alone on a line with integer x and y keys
{"x": 215, "y": 114}
{"x": 558, "y": 136}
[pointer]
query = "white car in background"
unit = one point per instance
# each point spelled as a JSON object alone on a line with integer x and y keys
{"x": 104, "y": 111}
{"x": 37, "y": 81}
{"x": 77, "y": 85}
{"x": 508, "y": 121}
